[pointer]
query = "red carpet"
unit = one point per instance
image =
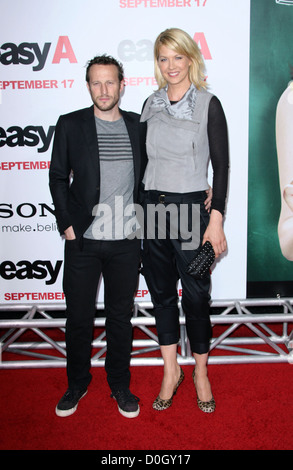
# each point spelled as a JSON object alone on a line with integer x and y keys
{"x": 254, "y": 412}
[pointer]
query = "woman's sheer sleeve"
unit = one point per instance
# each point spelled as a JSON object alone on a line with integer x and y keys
{"x": 219, "y": 153}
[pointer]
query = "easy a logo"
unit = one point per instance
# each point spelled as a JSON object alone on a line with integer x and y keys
{"x": 30, "y": 270}
{"x": 30, "y": 136}
{"x": 142, "y": 50}
{"x": 27, "y": 53}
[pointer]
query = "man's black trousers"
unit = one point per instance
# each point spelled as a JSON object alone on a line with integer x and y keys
{"x": 118, "y": 262}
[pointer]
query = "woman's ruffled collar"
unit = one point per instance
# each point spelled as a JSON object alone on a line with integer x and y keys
{"x": 183, "y": 109}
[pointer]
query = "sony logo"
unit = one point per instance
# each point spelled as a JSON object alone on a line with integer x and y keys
{"x": 25, "y": 210}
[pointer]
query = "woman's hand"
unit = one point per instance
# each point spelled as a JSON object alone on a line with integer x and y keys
{"x": 208, "y": 201}
{"x": 215, "y": 233}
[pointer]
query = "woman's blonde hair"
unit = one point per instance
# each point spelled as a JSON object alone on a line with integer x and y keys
{"x": 180, "y": 42}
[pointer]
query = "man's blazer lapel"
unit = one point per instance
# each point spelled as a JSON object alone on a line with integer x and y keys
{"x": 88, "y": 126}
{"x": 133, "y": 132}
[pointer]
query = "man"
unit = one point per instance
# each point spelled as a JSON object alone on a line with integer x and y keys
{"x": 98, "y": 160}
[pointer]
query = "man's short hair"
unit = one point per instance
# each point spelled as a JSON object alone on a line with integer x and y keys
{"x": 105, "y": 60}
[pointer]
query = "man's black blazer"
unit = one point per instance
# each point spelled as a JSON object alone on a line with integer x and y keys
{"x": 74, "y": 176}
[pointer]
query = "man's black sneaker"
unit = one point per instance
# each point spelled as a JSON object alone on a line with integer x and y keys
{"x": 127, "y": 403}
{"x": 69, "y": 402}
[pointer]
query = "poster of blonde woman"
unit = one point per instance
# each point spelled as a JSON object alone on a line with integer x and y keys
{"x": 284, "y": 140}
{"x": 270, "y": 176}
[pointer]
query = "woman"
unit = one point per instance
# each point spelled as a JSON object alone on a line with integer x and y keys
{"x": 186, "y": 125}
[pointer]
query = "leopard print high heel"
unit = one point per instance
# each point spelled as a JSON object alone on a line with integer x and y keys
{"x": 161, "y": 404}
{"x": 205, "y": 406}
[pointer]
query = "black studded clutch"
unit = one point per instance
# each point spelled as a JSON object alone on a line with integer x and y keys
{"x": 202, "y": 262}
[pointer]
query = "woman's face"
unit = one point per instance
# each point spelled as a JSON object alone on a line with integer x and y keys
{"x": 174, "y": 67}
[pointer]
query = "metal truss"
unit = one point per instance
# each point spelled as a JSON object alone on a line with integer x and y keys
{"x": 244, "y": 331}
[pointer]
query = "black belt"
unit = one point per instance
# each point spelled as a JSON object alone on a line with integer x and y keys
{"x": 177, "y": 198}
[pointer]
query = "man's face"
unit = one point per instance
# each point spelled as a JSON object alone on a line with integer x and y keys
{"x": 104, "y": 86}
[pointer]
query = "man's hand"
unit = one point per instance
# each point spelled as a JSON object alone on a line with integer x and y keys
{"x": 69, "y": 233}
